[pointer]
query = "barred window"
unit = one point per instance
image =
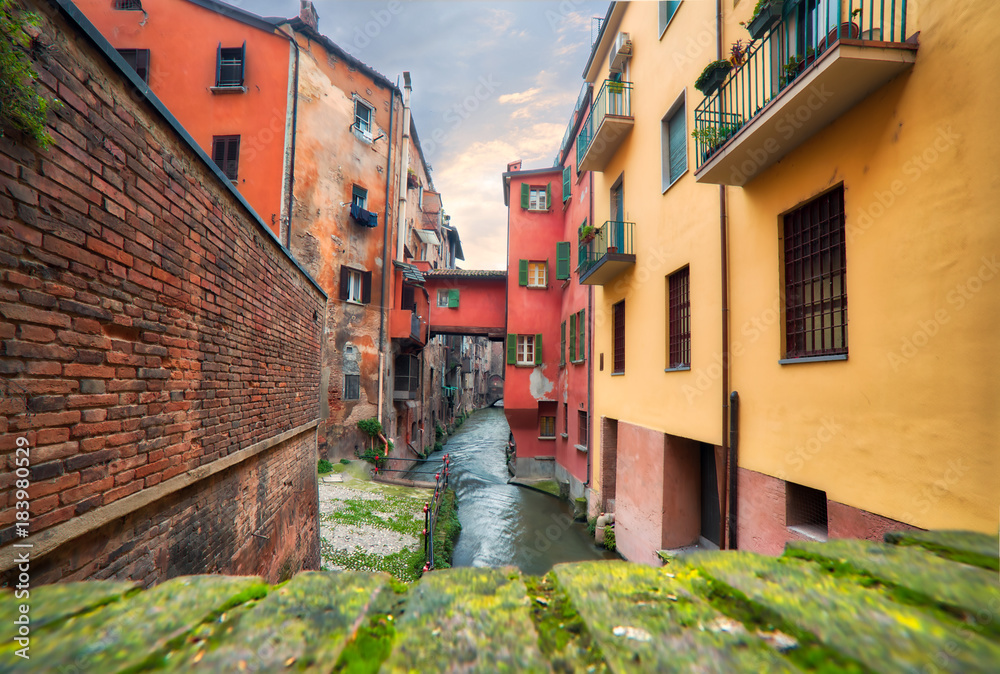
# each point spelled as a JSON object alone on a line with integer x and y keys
{"x": 679, "y": 313}
{"x": 618, "y": 338}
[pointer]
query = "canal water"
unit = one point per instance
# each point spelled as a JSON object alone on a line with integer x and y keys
{"x": 503, "y": 524}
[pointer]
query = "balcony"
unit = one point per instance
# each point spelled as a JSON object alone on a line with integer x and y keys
{"x": 406, "y": 325}
{"x": 812, "y": 66}
{"x": 606, "y": 126}
{"x": 609, "y": 253}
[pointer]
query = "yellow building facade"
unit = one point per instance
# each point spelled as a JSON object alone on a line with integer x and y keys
{"x": 856, "y": 302}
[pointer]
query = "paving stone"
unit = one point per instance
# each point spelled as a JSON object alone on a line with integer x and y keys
{"x": 651, "y": 620}
{"x": 467, "y": 620}
{"x": 971, "y": 589}
{"x": 132, "y": 633}
{"x": 963, "y": 546}
{"x": 864, "y": 624}
{"x": 49, "y": 604}
{"x": 302, "y": 625}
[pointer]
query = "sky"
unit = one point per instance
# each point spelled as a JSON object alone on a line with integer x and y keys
{"x": 494, "y": 81}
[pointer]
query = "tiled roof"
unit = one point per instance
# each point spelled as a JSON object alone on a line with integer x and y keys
{"x": 466, "y": 273}
{"x": 410, "y": 273}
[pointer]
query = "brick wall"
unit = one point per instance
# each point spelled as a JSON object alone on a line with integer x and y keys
{"x": 155, "y": 341}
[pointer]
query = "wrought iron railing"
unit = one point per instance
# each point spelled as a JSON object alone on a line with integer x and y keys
{"x": 614, "y": 236}
{"x": 615, "y": 98}
{"x": 802, "y": 35}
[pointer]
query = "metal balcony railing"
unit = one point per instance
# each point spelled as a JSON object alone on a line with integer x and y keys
{"x": 615, "y": 98}
{"x": 614, "y": 236}
{"x": 805, "y": 31}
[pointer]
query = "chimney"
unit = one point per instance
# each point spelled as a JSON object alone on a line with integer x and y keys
{"x": 514, "y": 166}
{"x": 308, "y": 15}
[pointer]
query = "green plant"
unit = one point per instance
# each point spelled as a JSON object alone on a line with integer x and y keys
{"x": 709, "y": 72}
{"x": 371, "y": 427}
{"x": 712, "y": 137}
{"x": 21, "y": 107}
{"x": 738, "y": 52}
{"x": 592, "y": 526}
{"x": 438, "y": 446}
{"x": 345, "y": 461}
{"x": 438, "y": 432}
{"x": 761, "y": 4}
{"x": 324, "y": 466}
{"x": 586, "y": 232}
{"x": 609, "y": 537}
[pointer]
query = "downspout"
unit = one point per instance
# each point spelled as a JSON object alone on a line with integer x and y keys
{"x": 734, "y": 455}
{"x": 291, "y": 161}
{"x": 404, "y": 164}
{"x": 728, "y": 447}
{"x": 385, "y": 261}
{"x": 590, "y": 370}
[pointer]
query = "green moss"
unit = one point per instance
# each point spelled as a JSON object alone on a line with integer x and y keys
{"x": 562, "y": 634}
{"x": 21, "y": 108}
{"x": 447, "y": 530}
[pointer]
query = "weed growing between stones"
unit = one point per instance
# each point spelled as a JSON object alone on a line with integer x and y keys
{"x": 562, "y": 634}
{"x": 447, "y": 530}
{"x": 324, "y": 466}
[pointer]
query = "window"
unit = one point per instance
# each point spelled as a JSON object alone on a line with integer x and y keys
{"x": 359, "y": 197}
{"x": 581, "y": 345}
{"x": 524, "y": 349}
{"x": 562, "y": 259}
{"x": 442, "y": 298}
{"x": 673, "y": 144}
{"x": 128, "y": 4}
{"x": 537, "y": 275}
{"x": 355, "y": 285}
{"x": 679, "y": 319}
{"x": 230, "y": 66}
{"x": 536, "y": 197}
{"x": 546, "y": 427}
{"x": 562, "y": 343}
{"x": 584, "y": 430}
{"x": 363, "y": 118}
{"x": 567, "y": 182}
{"x": 667, "y": 10}
{"x": 815, "y": 267}
{"x": 453, "y": 298}
{"x": 805, "y": 510}
{"x": 572, "y": 338}
{"x": 618, "y": 338}
{"x": 139, "y": 60}
{"x": 226, "y": 155}
{"x": 352, "y": 387}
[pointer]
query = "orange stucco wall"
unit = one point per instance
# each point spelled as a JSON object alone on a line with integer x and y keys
{"x": 182, "y": 39}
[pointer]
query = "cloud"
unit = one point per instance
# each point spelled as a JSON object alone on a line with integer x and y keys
{"x": 520, "y": 97}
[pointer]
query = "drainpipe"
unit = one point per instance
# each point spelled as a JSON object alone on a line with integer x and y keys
{"x": 401, "y": 229}
{"x": 727, "y": 447}
{"x": 734, "y": 454}
{"x": 290, "y": 181}
{"x": 590, "y": 370}
{"x": 386, "y": 275}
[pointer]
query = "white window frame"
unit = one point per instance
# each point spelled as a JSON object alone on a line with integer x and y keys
{"x": 359, "y": 195}
{"x": 538, "y": 274}
{"x": 536, "y": 199}
{"x": 680, "y": 103}
{"x": 355, "y": 283}
{"x": 661, "y": 15}
{"x": 525, "y": 350}
{"x": 442, "y": 298}
{"x": 362, "y": 125}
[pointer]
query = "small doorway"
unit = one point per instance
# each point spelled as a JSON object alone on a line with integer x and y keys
{"x": 711, "y": 518}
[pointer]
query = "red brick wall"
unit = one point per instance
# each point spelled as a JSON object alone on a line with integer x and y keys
{"x": 154, "y": 327}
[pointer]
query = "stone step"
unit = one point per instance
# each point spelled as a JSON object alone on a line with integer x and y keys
{"x": 970, "y": 589}
{"x": 649, "y": 619}
{"x": 863, "y": 624}
{"x": 968, "y": 547}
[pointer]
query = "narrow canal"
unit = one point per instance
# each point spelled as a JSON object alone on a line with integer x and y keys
{"x": 503, "y": 524}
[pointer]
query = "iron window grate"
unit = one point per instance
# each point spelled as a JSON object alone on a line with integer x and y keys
{"x": 816, "y": 278}
{"x": 680, "y": 318}
{"x": 805, "y": 509}
{"x": 128, "y": 4}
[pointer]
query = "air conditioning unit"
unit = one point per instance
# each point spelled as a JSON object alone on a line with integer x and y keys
{"x": 620, "y": 52}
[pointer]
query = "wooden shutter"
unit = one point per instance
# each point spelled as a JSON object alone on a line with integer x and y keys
{"x": 511, "y": 349}
{"x": 366, "y": 287}
{"x": 218, "y": 64}
{"x": 538, "y": 349}
{"x": 243, "y": 63}
{"x": 453, "y": 298}
{"x": 562, "y": 343}
{"x": 572, "y": 338}
{"x": 522, "y": 272}
{"x": 678, "y": 145}
{"x": 581, "y": 324}
{"x": 344, "y": 281}
{"x": 567, "y": 171}
{"x": 562, "y": 259}
{"x": 524, "y": 195}
{"x": 548, "y": 196}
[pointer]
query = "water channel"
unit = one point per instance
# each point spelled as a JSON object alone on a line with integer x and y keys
{"x": 503, "y": 524}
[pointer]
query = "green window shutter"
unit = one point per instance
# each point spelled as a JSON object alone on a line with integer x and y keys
{"x": 453, "y": 298}
{"x": 572, "y": 338}
{"x": 524, "y": 195}
{"x": 562, "y": 343}
{"x": 678, "y": 145}
{"x": 548, "y": 196}
{"x": 511, "y": 349}
{"x": 582, "y": 324}
{"x": 522, "y": 272}
{"x": 562, "y": 259}
{"x": 538, "y": 349}
{"x": 566, "y": 182}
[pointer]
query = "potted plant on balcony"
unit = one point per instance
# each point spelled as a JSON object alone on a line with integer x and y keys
{"x": 765, "y": 14}
{"x": 711, "y": 138}
{"x": 587, "y": 234}
{"x": 712, "y": 77}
